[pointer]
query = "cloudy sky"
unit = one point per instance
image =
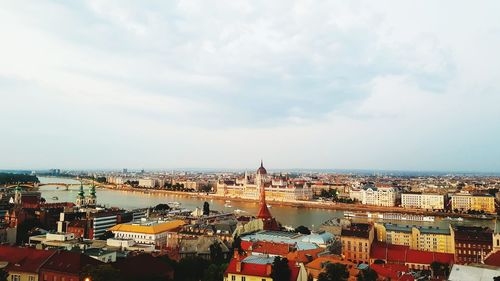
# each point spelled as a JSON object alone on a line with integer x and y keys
{"x": 406, "y": 85}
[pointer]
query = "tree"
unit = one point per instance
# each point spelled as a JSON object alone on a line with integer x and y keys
{"x": 206, "y": 188}
{"x": 100, "y": 179}
{"x": 161, "y": 207}
{"x": 4, "y": 275}
{"x": 493, "y": 191}
{"x": 214, "y": 272}
{"x": 216, "y": 254}
{"x": 439, "y": 268}
{"x": 236, "y": 244}
{"x": 334, "y": 272}
{"x": 190, "y": 269}
{"x": 280, "y": 270}
{"x": 103, "y": 272}
{"x": 106, "y": 235}
{"x": 302, "y": 229}
{"x": 206, "y": 209}
{"x": 367, "y": 275}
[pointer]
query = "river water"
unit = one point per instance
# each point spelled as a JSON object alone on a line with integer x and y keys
{"x": 286, "y": 215}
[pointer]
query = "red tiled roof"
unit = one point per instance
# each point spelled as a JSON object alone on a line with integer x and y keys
{"x": 272, "y": 248}
{"x": 245, "y": 245}
{"x": 24, "y": 259}
{"x": 493, "y": 259}
{"x": 403, "y": 254}
{"x": 390, "y": 252}
{"x": 304, "y": 255}
{"x": 247, "y": 269}
{"x": 392, "y": 271}
{"x": 397, "y": 253}
{"x": 259, "y": 270}
{"x": 69, "y": 262}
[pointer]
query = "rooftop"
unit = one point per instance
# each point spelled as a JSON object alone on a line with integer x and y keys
{"x": 467, "y": 272}
{"x": 24, "y": 259}
{"x": 149, "y": 227}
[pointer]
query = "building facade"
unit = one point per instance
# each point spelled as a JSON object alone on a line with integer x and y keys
{"x": 431, "y": 239}
{"x": 356, "y": 240}
{"x": 276, "y": 189}
{"x": 464, "y": 202}
{"x": 472, "y": 243}
{"x": 377, "y": 196}
{"x": 424, "y": 201}
{"x": 149, "y": 232}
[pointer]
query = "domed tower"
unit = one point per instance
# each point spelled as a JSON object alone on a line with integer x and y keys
{"x": 264, "y": 214}
{"x": 261, "y": 174}
{"x": 80, "y": 198}
{"x": 92, "y": 198}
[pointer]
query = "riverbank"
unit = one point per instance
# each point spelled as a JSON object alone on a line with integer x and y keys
{"x": 299, "y": 204}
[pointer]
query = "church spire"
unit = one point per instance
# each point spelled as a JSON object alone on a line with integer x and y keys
{"x": 81, "y": 192}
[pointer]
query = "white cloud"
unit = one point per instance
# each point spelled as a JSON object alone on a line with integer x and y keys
{"x": 216, "y": 84}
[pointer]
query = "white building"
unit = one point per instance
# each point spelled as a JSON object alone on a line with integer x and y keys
{"x": 150, "y": 183}
{"x": 276, "y": 188}
{"x": 146, "y": 232}
{"x": 467, "y": 272}
{"x": 377, "y": 196}
{"x": 422, "y": 201}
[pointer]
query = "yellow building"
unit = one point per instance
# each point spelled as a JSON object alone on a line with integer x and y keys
{"x": 467, "y": 202}
{"x": 432, "y": 239}
{"x": 356, "y": 242}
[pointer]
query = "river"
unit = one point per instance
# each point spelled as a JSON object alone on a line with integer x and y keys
{"x": 287, "y": 215}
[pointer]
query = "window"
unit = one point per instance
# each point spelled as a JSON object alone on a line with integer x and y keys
{"x": 233, "y": 278}
{"x": 243, "y": 278}
{"x": 16, "y": 278}
{"x": 31, "y": 278}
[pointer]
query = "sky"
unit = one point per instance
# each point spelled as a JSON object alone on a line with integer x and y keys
{"x": 386, "y": 85}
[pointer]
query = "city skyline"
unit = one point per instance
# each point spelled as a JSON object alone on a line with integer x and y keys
{"x": 349, "y": 86}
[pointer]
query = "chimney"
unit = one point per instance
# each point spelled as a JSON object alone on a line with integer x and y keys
{"x": 269, "y": 268}
{"x": 236, "y": 254}
{"x": 238, "y": 266}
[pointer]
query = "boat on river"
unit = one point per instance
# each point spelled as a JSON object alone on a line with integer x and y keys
{"x": 454, "y": 219}
{"x": 174, "y": 204}
{"x": 389, "y": 216}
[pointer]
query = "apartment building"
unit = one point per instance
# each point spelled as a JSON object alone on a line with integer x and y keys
{"x": 378, "y": 196}
{"x": 426, "y": 201}
{"x": 356, "y": 240}
{"x": 472, "y": 243}
{"x": 468, "y": 202}
{"x": 433, "y": 239}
